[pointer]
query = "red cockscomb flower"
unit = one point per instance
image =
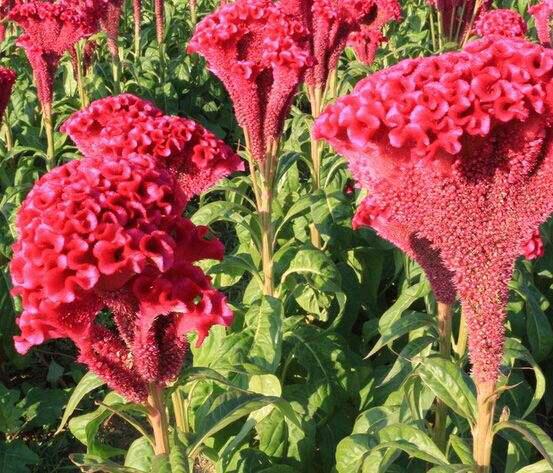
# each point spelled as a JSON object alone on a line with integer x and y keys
{"x": 501, "y": 22}
{"x": 7, "y": 79}
{"x": 542, "y": 13}
{"x": 533, "y": 248}
{"x": 259, "y": 53}
{"x": 50, "y": 30}
{"x": 332, "y": 22}
{"x": 101, "y": 234}
{"x": 124, "y": 125}
{"x": 457, "y": 153}
{"x": 365, "y": 43}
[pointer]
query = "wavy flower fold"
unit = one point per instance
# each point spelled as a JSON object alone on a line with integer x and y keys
{"x": 104, "y": 256}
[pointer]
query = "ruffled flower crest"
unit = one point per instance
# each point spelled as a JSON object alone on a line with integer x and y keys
{"x": 105, "y": 236}
{"x": 502, "y": 22}
{"x": 457, "y": 156}
{"x": 259, "y": 52}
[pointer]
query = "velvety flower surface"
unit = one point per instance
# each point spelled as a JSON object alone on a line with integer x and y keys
{"x": 542, "y": 13}
{"x": 365, "y": 43}
{"x": 7, "y": 79}
{"x": 260, "y": 53}
{"x": 456, "y": 153}
{"x": 502, "y": 22}
{"x": 533, "y": 248}
{"x": 107, "y": 234}
{"x": 50, "y": 30}
{"x": 123, "y": 125}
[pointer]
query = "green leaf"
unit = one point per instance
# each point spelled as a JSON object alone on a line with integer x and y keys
{"x": 514, "y": 349}
{"x": 410, "y": 321}
{"x": 411, "y": 440}
{"x": 533, "y": 434}
{"x": 161, "y": 464}
{"x": 92, "y": 464}
{"x": 354, "y": 452}
{"x": 16, "y": 456}
{"x": 230, "y": 407}
{"x": 89, "y": 382}
{"x": 447, "y": 382}
{"x": 407, "y": 297}
{"x": 10, "y": 413}
{"x": 140, "y": 454}
{"x": 540, "y": 467}
{"x": 264, "y": 319}
{"x": 177, "y": 457}
{"x": 452, "y": 469}
{"x": 462, "y": 449}
{"x": 375, "y": 419}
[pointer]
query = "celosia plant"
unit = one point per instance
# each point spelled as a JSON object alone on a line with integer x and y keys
{"x": 124, "y": 125}
{"x": 7, "y": 79}
{"x": 260, "y": 54}
{"x": 50, "y": 30}
{"x": 533, "y": 248}
{"x": 455, "y": 151}
{"x": 259, "y": 51}
{"x": 365, "y": 43}
{"x": 501, "y": 22}
{"x": 542, "y": 13}
{"x": 104, "y": 236}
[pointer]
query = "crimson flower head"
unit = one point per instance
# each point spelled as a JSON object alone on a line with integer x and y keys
{"x": 456, "y": 152}
{"x": 365, "y": 43}
{"x": 124, "y": 125}
{"x": 7, "y": 79}
{"x": 533, "y": 248}
{"x": 502, "y": 22}
{"x": 50, "y": 30}
{"x": 542, "y": 13}
{"x": 259, "y": 52}
{"x": 332, "y": 22}
{"x": 105, "y": 258}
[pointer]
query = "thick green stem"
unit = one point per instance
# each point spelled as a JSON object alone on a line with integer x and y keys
{"x": 116, "y": 69}
{"x": 79, "y": 74}
{"x": 179, "y": 409}
{"x": 137, "y": 19}
{"x": 158, "y": 419}
{"x": 316, "y": 97}
{"x": 49, "y": 130}
{"x": 263, "y": 176}
{"x": 8, "y": 136}
{"x": 461, "y": 345}
{"x": 193, "y": 12}
{"x": 445, "y": 313}
{"x": 482, "y": 431}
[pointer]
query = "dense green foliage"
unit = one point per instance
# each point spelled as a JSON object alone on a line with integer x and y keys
{"x": 338, "y": 372}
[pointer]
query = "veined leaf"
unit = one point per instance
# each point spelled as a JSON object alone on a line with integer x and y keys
{"x": 533, "y": 434}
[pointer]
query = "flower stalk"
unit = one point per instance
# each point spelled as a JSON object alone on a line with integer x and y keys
{"x": 8, "y": 137}
{"x": 316, "y": 98}
{"x": 49, "y": 130}
{"x": 158, "y": 419}
{"x": 137, "y": 19}
{"x": 482, "y": 431}
{"x": 83, "y": 97}
{"x": 445, "y": 313}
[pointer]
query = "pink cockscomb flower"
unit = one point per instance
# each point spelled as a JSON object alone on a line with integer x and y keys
{"x": 365, "y": 43}
{"x": 260, "y": 54}
{"x": 103, "y": 235}
{"x": 457, "y": 154}
{"x": 7, "y": 79}
{"x": 533, "y": 248}
{"x": 50, "y": 30}
{"x": 501, "y": 22}
{"x": 542, "y": 13}
{"x": 124, "y": 125}
{"x": 332, "y": 22}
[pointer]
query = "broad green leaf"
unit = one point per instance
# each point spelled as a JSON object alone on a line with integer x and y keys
{"x": 10, "y": 413}
{"x": 89, "y": 382}
{"x": 410, "y": 321}
{"x": 352, "y": 453}
{"x": 374, "y": 419}
{"x": 447, "y": 382}
{"x": 532, "y": 434}
{"x": 15, "y": 457}
{"x": 92, "y": 464}
{"x": 411, "y": 440}
{"x": 161, "y": 464}
{"x": 452, "y": 469}
{"x": 462, "y": 449}
{"x": 140, "y": 455}
{"x": 403, "y": 364}
{"x": 231, "y": 406}
{"x": 407, "y": 297}
{"x": 540, "y": 467}
{"x": 264, "y": 319}
{"x": 514, "y": 349}
{"x": 178, "y": 457}
{"x": 540, "y": 333}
